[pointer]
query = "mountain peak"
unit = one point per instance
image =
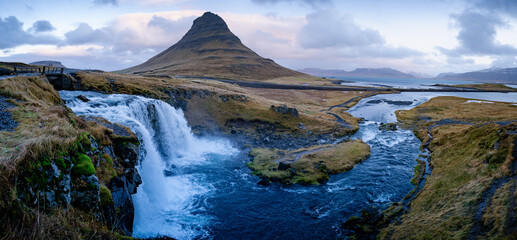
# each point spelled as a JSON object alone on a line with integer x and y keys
{"x": 210, "y": 49}
{"x": 208, "y": 23}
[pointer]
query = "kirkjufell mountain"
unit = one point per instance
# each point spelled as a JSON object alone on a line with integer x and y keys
{"x": 210, "y": 49}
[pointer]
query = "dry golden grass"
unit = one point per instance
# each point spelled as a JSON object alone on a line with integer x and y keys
{"x": 466, "y": 159}
{"x": 45, "y": 124}
{"x": 487, "y": 86}
{"x": 457, "y": 108}
{"x": 302, "y": 80}
{"x": 11, "y": 65}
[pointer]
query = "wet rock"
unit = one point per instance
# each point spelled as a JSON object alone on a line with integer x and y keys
{"x": 65, "y": 190}
{"x": 264, "y": 182}
{"x": 83, "y": 98}
{"x": 121, "y": 189}
{"x": 388, "y": 127}
{"x": 127, "y": 152}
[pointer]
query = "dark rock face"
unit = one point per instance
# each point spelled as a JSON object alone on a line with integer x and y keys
{"x": 121, "y": 189}
{"x": 285, "y": 110}
{"x": 85, "y": 193}
{"x": 7, "y": 123}
{"x": 50, "y": 183}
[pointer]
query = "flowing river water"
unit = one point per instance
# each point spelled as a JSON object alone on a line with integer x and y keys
{"x": 201, "y": 188}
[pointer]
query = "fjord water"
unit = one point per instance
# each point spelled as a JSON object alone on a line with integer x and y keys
{"x": 394, "y": 82}
{"x": 198, "y": 188}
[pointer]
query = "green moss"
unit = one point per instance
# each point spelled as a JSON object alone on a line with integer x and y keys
{"x": 60, "y": 162}
{"x": 106, "y": 196}
{"x": 83, "y": 165}
{"x": 43, "y": 162}
{"x": 90, "y": 186}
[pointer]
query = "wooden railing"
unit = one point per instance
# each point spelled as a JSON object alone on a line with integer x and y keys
{"x": 42, "y": 70}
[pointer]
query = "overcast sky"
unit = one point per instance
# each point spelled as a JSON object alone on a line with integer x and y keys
{"x": 427, "y": 36}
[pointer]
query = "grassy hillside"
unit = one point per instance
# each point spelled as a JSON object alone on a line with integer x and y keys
{"x": 213, "y": 105}
{"x": 471, "y": 192}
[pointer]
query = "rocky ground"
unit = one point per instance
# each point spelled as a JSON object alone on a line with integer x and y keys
{"x": 7, "y": 123}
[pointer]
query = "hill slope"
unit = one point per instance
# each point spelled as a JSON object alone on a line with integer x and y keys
{"x": 501, "y": 75}
{"x": 210, "y": 49}
{"x": 358, "y": 72}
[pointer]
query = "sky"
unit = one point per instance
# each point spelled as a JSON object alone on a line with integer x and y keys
{"x": 417, "y": 36}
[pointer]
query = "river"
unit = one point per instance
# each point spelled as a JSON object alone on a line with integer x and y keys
{"x": 200, "y": 188}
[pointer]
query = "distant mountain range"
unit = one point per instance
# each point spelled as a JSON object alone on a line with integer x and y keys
{"x": 210, "y": 49}
{"x": 359, "y": 72}
{"x": 50, "y": 63}
{"x": 494, "y": 74}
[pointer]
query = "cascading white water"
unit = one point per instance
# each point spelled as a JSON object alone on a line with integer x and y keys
{"x": 164, "y": 205}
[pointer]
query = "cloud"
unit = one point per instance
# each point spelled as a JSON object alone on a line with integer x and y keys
{"x": 106, "y": 2}
{"x": 506, "y": 6}
{"x": 331, "y": 30}
{"x": 310, "y": 2}
{"x": 458, "y": 60}
{"x": 13, "y": 34}
{"x": 477, "y": 35}
{"x": 327, "y": 28}
{"x": 42, "y": 26}
{"x": 505, "y": 62}
{"x": 85, "y": 34}
{"x": 134, "y": 33}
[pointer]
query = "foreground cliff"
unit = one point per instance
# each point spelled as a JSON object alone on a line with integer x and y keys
{"x": 62, "y": 176}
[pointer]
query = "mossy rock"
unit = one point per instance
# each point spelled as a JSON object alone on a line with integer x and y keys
{"x": 105, "y": 196}
{"x": 83, "y": 165}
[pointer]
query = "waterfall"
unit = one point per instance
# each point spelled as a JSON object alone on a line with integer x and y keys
{"x": 169, "y": 201}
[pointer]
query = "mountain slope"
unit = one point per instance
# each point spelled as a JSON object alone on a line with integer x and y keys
{"x": 361, "y": 72}
{"x": 210, "y": 49}
{"x": 502, "y": 75}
